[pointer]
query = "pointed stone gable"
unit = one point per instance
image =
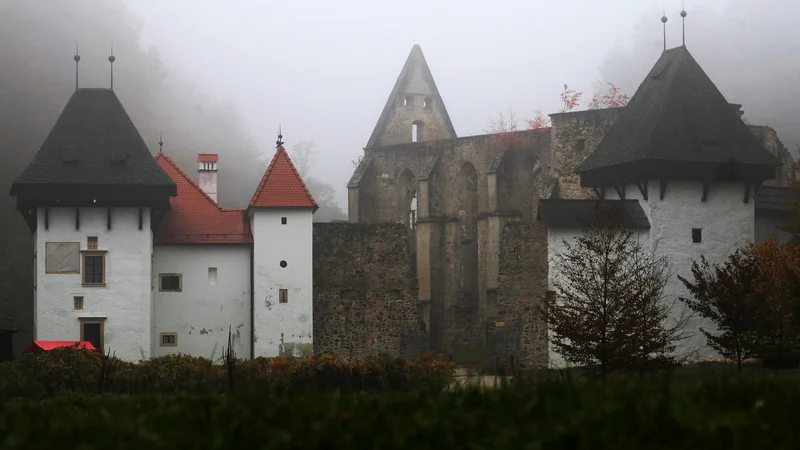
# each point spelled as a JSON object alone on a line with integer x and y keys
{"x": 414, "y": 99}
{"x": 282, "y": 186}
{"x": 677, "y": 125}
{"x": 93, "y": 152}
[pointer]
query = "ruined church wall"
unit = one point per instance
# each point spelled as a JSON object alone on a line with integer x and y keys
{"x": 365, "y": 294}
{"x": 575, "y": 135}
{"x": 519, "y": 330}
{"x": 769, "y": 139}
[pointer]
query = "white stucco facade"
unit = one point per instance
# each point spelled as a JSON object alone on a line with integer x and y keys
{"x": 121, "y": 303}
{"x": 214, "y": 296}
{"x": 725, "y": 222}
{"x": 282, "y": 327}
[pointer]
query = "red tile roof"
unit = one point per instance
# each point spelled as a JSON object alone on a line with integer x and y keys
{"x": 282, "y": 186}
{"x": 194, "y": 218}
{"x": 207, "y": 157}
{"x": 46, "y": 346}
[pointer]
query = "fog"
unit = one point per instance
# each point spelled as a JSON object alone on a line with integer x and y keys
{"x": 223, "y": 76}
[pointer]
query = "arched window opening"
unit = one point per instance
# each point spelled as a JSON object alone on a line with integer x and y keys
{"x": 407, "y": 198}
{"x": 468, "y": 202}
{"x": 427, "y": 103}
{"x": 407, "y": 101}
{"x": 416, "y": 131}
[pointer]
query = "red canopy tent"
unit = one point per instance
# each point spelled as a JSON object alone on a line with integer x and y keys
{"x": 46, "y": 346}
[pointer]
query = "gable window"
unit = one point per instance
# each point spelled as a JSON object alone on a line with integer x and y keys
{"x": 91, "y": 243}
{"x": 94, "y": 269}
{"x": 169, "y": 339}
{"x": 697, "y": 235}
{"x": 92, "y": 330}
{"x": 283, "y": 296}
{"x": 416, "y": 131}
{"x": 283, "y": 220}
{"x": 170, "y": 282}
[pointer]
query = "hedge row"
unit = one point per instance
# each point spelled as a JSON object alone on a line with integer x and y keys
{"x": 71, "y": 369}
{"x": 719, "y": 414}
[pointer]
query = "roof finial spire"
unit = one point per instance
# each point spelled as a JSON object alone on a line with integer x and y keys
{"x": 111, "y": 59}
{"x": 664, "y": 21}
{"x": 280, "y": 138}
{"x": 161, "y": 142}
{"x": 683, "y": 19}
{"x": 77, "y": 59}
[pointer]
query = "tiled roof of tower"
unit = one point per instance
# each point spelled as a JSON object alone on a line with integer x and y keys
{"x": 207, "y": 157}
{"x": 282, "y": 186}
{"x": 677, "y": 116}
{"x": 195, "y": 218}
{"x": 94, "y": 142}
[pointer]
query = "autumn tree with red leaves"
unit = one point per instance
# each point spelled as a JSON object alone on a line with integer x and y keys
{"x": 612, "y": 99}
{"x": 753, "y": 300}
{"x": 506, "y": 132}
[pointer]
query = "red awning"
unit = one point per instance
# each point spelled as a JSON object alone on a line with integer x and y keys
{"x": 46, "y": 346}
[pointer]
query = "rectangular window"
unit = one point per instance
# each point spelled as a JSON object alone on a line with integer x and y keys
{"x": 283, "y": 220}
{"x": 77, "y": 303}
{"x": 212, "y": 276}
{"x": 92, "y": 331}
{"x": 697, "y": 235}
{"x": 170, "y": 282}
{"x": 94, "y": 269}
{"x": 169, "y": 339}
{"x": 91, "y": 243}
{"x": 63, "y": 257}
{"x": 283, "y": 296}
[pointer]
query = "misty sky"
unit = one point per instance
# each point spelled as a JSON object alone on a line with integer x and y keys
{"x": 323, "y": 69}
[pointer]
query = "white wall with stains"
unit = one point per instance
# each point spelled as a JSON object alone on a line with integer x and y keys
{"x": 726, "y": 223}
{"x": 214, "y": 296}
{"x": 122, "y": 303}
{"x": 283, "y": 327}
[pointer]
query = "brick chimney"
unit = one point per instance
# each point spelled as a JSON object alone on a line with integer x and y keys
{"x": 207, "y": 170}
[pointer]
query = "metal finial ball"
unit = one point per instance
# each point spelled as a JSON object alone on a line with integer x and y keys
{"x": 77, "y": 58}
{"x": 112, "y": 58}
{"x": 683, "y": 13}
{"x": 663, "y": 19}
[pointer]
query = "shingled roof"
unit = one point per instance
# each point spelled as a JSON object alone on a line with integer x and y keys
{"x": 563, "y": 213}
{"x": 94, "y": 144}
{"x": 677, "y": 125}
{"x": 282, "y": 186}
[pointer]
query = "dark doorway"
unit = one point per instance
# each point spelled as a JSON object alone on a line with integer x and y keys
{"x": 6, "y": 348}
{"x": 93, "y": 332}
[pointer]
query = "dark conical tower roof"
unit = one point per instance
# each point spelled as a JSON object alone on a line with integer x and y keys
{"x": 93, "y": 154}
{"x": 677, "y": 125}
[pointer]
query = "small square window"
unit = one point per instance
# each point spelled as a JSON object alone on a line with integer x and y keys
{"x": 91, "y": 243}
{"x": 77, "y": 303}
{"x": 697, "y": 235}
{"x": 283, "y": 220}
{"x": 169, "y": 339}
{"x": 170, "y": 282}
{"x": 283, "y": 296}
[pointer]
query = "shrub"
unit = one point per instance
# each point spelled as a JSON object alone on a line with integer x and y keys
{"x": 73, "y": 369}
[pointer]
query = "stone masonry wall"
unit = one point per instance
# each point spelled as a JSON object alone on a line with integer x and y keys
{"x": 769, "y": 139}
{"x": 519, "y": 330}
{"x": 365, "y": 294}
{"x": 575, "y": 135}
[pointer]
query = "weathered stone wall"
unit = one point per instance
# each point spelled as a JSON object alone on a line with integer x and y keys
{"x": 519, "y": 329}
{"x": 365, "y": 296}
{"x": 467, "y": 188}
{"x": 574, "y": 136}
{"x": 769, "y": 138}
